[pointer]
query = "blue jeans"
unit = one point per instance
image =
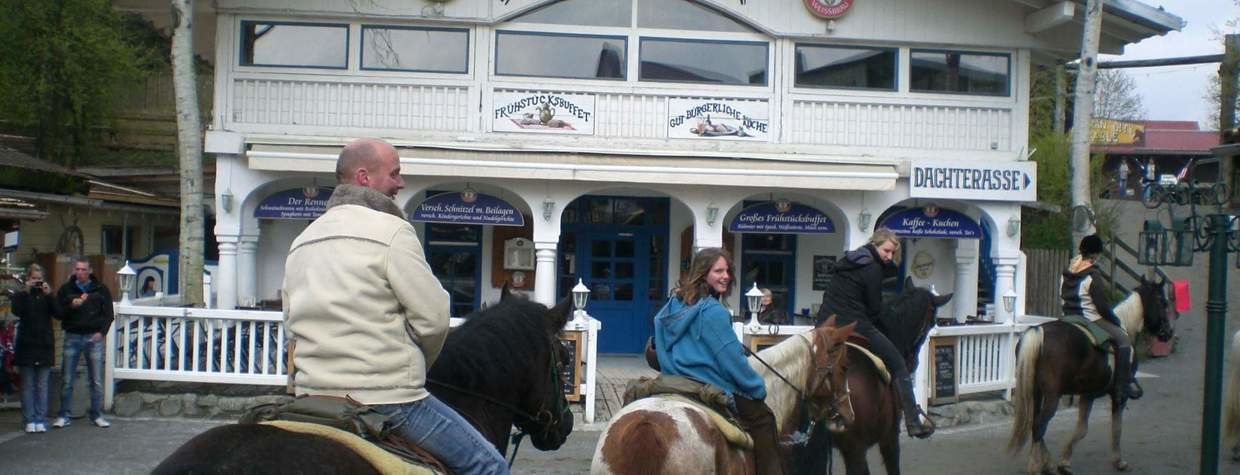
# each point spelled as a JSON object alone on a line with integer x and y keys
{"x": 35, "y": 380}
{"x": 438, "y": 429}
{"x": 75, "y": 345}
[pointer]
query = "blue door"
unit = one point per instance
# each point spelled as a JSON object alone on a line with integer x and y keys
{"x": 620, "y": 255}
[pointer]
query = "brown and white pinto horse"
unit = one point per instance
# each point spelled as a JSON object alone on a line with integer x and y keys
{"x": 654, "y": 435}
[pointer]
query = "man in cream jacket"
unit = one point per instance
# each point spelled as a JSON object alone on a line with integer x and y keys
{"x": 367, "y": 314}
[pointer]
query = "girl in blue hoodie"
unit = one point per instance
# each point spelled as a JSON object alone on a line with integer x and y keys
{"x": 693, "y": 336}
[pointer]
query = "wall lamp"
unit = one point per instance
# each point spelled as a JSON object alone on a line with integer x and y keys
{"x": 548, "y": 210}
{"x": 1013, "y": 227}
{"x": 226, "y": 200}
{"x": 863, "y": 219}
{"x": 712, "y": 213}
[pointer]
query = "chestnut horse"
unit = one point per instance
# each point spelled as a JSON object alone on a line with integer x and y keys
{"x": 906, "y": 321}
{"x": 1055, "y": 359}
{"x": 656, "y": 435}
{"x": 1231, "y": 405}
{"x": 502, "y": 367}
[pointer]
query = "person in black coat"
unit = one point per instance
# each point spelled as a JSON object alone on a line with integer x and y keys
{"x": 86, "y": 306}
{"x": 772, "y": 314}
{"x": 34, "y": 306}
{"x": 855, "y": 294}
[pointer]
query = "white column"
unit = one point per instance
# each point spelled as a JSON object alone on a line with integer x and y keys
{"x": 544, "y": 272}
{"x": 1005, "y": 279}
{"x": 965, "y": 289}
{"x": 225, "y": 282}
{"x": 247, "y": 270}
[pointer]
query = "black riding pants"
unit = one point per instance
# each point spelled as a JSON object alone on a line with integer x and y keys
{"x": 881, "y": 346}
{"x": 1117, "y": 334}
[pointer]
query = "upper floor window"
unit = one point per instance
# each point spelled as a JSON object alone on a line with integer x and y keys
{"x": 560, "y": 55}
{"x": 958, "y": 72}
{"x": 437, "y": 50}
{"x": 307, "y": 45}
{"x": 583, "y": 13}
{"x": 846, "y": 67}
{"x": 685, "y": 15}
{"x": 715, "y": 62}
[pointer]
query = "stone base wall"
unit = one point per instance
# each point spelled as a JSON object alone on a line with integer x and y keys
{"x": 203, "y": 406}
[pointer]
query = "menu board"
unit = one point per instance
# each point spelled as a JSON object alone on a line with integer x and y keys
{"x": 569, "y": 372}
{"x": 943, "y": 373}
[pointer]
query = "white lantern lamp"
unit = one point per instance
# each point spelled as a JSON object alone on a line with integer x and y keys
{"x": 1009, "y": 302}
{"x": 754, "y": 298}
{"x": 581, "y": 295}
{"x": 127, "y": 277}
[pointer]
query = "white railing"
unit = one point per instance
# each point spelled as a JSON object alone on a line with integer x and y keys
{"x": 198, "y": 345}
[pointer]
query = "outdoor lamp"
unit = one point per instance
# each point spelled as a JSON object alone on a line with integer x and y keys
{"x": 127, "y": 278}
{"x": 712, "y": 213}
{"x": 1013, "y": 227}
{"x": 581, "y": 295}
{"x": 754, "y": 296}
{"x": 1152, "y": 244}
{"x": 548, "y": 210}
{"x": 226, "y": 199}
{"x": 1009, "y": 301}
{"x": 1181, "y": 243}
{"x": 863, "y": 219}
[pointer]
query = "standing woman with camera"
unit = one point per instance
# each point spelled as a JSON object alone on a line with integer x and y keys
{"x": 34, "y": 306}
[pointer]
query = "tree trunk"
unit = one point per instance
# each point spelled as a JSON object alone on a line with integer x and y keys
{"x": 1060, "y": 83}
{"x": 189, "y": 149}
{"x": 1228, "y": 76}
{"x": 1082, "y": 110}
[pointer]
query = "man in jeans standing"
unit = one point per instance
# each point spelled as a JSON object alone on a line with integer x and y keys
{"x": 87, "y": 318}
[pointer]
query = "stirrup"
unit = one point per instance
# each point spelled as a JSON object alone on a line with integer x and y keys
{"x": 1133, "y": 390}
{"x": 920, "y": 430}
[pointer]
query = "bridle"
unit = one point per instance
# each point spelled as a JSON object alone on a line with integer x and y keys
{"x": 546, "y": 419}
{"x": 818, "y": 372}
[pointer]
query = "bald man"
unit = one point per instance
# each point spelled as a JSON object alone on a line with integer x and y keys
{"x": 369, "y": 317}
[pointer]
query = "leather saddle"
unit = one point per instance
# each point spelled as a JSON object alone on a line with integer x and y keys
{"x": 862, "y": 345}
{"x": 1098, "y": 337}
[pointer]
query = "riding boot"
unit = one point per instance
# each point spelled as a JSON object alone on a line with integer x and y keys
{"x": 759, "y": 421}
{"x": 912, "y": 412}
{"x": 1125, "y": 379}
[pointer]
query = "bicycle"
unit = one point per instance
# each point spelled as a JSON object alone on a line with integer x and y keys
{"x": 1155, "y": 194}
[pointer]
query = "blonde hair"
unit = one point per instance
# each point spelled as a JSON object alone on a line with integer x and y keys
{"x": 35, "y": 268}
{"x": 882, "y": 235}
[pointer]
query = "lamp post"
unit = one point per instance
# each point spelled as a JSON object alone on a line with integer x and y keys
{"x": 754, "y": 298}
{"x": 126, "y": 277}
{"x": 581, "y": 295}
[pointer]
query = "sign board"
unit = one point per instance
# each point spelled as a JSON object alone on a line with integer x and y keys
{"x": 12, "y": 239}
{"x": 932, "y": 222}
{"x": 978, "y": 181}
{"x": 828, "y": 9}
{"x": 944, "y": 374}
{"x": 570, "y": 373}
{"x": 781, "y": 217}
{"x": 822, "y": 271}
{"x": 1115, "y": 132}
{"x": 758, "y": 343}
{"x": 543, "y": 113}
{"x": 718, "y": 119}
{"x": 467, "y": 207}
{"x": 298, "y": 203}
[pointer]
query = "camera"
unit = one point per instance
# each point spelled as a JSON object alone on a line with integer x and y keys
{"x": 36, "y": 287}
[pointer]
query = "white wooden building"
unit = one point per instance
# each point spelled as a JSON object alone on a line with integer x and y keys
{"x": 625, "y": 133}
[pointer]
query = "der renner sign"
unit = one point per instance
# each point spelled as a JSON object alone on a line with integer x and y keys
{"x": 992, "y": 181}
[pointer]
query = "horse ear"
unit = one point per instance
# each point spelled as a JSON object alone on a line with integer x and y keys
{"x": 940, "y": 300}
{"x": 908, "y": 283}
{"x": 830, "y": 322}
{"x": 842, "y": 333}
{"x": 560, "y": 312}
{"x": 505, "y": 292}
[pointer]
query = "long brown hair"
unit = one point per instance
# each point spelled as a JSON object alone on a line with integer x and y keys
{"x": 692, "y": 286}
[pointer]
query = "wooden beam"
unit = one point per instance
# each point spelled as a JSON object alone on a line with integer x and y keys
{"x": 1150, "y": 63}
{"x": 1050, "y": 17}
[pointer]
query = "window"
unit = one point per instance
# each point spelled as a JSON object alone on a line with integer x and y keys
{"x": 682, "y": 15}
{"x": 438, "y": 50}
{"x": 306, "y": 45}
{"x": 582, "y": 13}
{"x": 845, "y": 67}
{"x": 560, "y": 55}
{"x": 454, "y": 252}
{"x": 113, "y": 240}
{"x": 715, "y": 62}
{"x": 957, "y": 72}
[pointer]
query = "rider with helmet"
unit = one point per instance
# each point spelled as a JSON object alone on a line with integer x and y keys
{"x": 1084, "y": 292}
{"x": 854, "y": 294}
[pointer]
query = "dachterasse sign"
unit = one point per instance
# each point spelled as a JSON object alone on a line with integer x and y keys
{"x": 985, "y": 181}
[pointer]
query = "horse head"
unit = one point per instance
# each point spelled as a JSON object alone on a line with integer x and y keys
{"x": 828, "y": 381}
{"x": 553, "y": 419}
{"x": 910, "y": 317}
{"x": 1155, "y": 308}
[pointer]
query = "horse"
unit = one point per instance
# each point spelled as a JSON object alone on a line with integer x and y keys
{"x": 906, "y": 320}
{"x": 1056, "y": 358}
{"x": 656, "y": 435}
{"x": 501, "y": 367}
{"x": 1231, "y": 405}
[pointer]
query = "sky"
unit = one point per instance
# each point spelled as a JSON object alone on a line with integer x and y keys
{"x": 1177, "y": 92}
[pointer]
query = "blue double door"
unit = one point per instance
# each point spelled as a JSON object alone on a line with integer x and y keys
{"x": 617, "y": 246}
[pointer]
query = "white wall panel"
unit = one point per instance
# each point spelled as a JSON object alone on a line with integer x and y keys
{"x": 871, "y": 124}
{"x": 350, "y": 104}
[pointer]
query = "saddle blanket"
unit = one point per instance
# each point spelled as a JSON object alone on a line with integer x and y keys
{"x": 878, "y": 362}
{"x": 384, "y": 461}
{"x": 1097, "y": 336}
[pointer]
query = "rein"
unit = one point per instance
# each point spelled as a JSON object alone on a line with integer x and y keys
{"x": 807, "y": 423}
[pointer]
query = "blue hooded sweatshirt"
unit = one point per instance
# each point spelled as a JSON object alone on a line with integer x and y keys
{"x": 697, "y": 341}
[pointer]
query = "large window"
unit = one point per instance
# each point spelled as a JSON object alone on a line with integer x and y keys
{"x": 560, "y": 55}
{"x": 715, "y": 62}
{"x": 114, "y": 240}
{"x": 438, "y": 50}
{"x": 846, "y": 67}
{"x": 957, "y": 72}
{"x": 454, "y": 252}
{"x": 307, "y": 45}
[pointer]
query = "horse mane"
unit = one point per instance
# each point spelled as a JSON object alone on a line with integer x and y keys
{"x": 1131, "y": 314}
{"x": 789, "y": 358}
{"x": 901, "y": 319}
{"x": 492, "y": 345}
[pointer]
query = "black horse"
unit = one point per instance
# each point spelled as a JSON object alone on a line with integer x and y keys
{"x": 502, "y": 367}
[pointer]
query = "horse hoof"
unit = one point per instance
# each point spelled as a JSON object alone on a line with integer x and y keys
{"x": 1065, "y": 470}
{"x": 1122, "y": 466}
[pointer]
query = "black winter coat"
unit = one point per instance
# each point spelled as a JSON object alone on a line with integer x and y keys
{"x": 35, "y": 343}
{"x": 94, "y": 315}
{"x": 855, "y": 288}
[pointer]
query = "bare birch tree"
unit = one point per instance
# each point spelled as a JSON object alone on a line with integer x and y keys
{"x": 189, "y": 149}
{"x": 1082, "y": 109}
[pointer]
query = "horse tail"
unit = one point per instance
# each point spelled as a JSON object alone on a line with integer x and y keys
{"x": 1231, "y": 408}
{"x": 1028, "y": 350}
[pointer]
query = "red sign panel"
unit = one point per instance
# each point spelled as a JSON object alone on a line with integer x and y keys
{"x": 829, "y": 9}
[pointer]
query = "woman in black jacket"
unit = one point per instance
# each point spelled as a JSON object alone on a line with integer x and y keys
{"x": 855, "y": 294}
{"x": 34, "y": 306}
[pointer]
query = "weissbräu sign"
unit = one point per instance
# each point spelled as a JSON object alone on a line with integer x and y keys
{"x": 781, "y": 217}
{"x": 467, "y": 207}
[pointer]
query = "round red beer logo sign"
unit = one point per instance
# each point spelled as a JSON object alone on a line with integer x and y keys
{"x": 829, "y": 9}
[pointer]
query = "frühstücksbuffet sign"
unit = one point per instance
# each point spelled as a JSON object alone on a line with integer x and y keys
{"x": 996, "y": 181}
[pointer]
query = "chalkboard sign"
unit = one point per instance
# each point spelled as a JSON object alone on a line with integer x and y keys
{"x": 943, "y": 380}
{"x": 569, "y": 372}
{"x": 822, "y": 271}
